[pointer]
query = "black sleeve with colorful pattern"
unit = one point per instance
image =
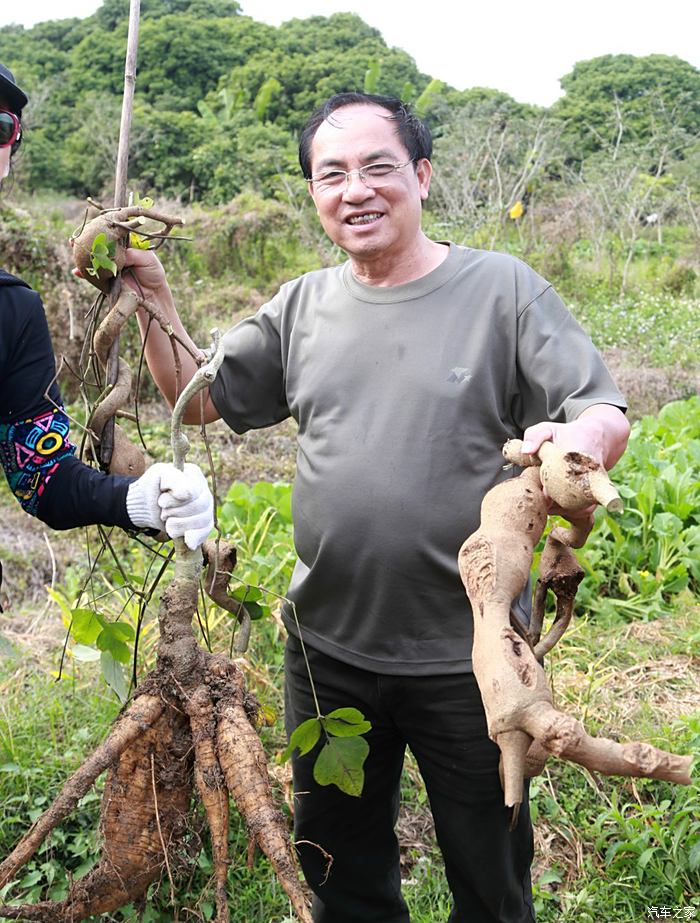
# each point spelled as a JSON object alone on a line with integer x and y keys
{"x": 35, "y": 448}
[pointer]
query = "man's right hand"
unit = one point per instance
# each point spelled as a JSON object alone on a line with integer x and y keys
{"x": 145, "y": 273}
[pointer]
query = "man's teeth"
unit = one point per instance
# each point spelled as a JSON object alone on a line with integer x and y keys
{"x": 364, "y": 219}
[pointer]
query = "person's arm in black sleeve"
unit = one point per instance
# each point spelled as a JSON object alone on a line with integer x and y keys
{"x": 77, "y": 495}
{"x": 39, "y": 458}
{"x": 36, "y": 451}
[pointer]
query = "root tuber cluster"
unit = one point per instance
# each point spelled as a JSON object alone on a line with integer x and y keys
{"x": 494, "y": 564}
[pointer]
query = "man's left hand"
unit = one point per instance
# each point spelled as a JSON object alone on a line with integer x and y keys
{"x": 601, "y": 431}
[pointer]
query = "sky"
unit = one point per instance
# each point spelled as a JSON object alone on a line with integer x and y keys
{"x": 521, "y": 47}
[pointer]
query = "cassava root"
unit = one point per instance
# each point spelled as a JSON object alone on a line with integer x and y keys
{"x": 494, "y": 564}
{"x": 190, "y": 726}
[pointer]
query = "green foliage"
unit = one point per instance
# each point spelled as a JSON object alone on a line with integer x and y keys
{"x": 658, "y": 327}
{"x": 638, "y": 563}
{"x": 258, "y": 520}
{"x": 642, "y": 842}
{"x": 102, "y": 255}
{"x": 647, "y": 92}
{"x": 341, "y": 759}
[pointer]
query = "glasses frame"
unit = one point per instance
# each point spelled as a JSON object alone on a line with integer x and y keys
{"x": 361, "y": 173}
{"x": 16, "y": 136}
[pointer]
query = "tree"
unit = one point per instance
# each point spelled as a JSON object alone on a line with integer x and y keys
{"x": 651, "y": 91}
{"x": 486, "y": 165}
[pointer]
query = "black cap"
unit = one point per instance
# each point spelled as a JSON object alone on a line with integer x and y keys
{"x": 10, "y": 92}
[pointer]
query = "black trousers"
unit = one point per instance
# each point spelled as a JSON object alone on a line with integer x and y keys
{"x": 441, "y": 719}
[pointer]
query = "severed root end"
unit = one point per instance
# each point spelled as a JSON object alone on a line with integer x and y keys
{"x": 565, "y": 737}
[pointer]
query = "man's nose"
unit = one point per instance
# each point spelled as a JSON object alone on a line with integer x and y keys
{"x": 356, "y": 190}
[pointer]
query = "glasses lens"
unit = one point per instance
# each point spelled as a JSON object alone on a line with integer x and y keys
{"x": 377, "y": 171}
{"x": 8, "y": 128}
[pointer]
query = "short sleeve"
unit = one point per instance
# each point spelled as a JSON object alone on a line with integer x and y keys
{"x": 249, "y": 390}
{"x": 559, "y": 371}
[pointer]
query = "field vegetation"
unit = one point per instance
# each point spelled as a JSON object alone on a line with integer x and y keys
{"x": 599, "y": 193}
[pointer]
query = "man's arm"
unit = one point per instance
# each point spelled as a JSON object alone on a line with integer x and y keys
{"x": 147, "y": 278}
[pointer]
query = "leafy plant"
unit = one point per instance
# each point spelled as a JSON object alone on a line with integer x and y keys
{"x": 341, "y": 759}
{"x": 102, "y": 255}
{"x": 636, "y": 564}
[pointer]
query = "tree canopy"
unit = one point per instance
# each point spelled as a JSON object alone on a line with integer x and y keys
{"x": 221, "y": 98}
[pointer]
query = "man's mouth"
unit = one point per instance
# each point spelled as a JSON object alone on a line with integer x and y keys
{"x": 367, "y": 218}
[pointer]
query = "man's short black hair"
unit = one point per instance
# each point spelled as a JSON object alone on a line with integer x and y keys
{"x": 413, "y": 132}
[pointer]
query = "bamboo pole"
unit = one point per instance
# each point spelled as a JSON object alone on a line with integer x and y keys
{"x": 107, "y": 437}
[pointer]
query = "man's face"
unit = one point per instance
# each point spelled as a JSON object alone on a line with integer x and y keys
{"x": 368, "y": 222}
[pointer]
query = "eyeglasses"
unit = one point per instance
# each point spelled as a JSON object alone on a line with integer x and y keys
{"x": 374, "y": 174}
{"x": 10, "y": 129}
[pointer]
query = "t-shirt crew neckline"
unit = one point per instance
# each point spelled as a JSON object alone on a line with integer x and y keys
{"x": 418, "y": 288}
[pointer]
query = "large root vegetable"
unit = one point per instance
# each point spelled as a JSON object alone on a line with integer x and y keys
{"x": 189, "y": 725}
{"x": 494, "y": 565}
{"x": 110, "y": 232}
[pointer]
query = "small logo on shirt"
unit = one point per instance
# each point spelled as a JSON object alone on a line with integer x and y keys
{"x": 459, "y": 375}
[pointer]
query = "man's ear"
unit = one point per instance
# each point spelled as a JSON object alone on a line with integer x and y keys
{"x": 424, "y": 172}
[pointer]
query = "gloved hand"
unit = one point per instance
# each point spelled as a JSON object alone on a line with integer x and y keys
{"x": 178, "y": 502}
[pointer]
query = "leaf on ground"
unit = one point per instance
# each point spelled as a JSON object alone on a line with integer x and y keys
{"x": 341, "y": 762}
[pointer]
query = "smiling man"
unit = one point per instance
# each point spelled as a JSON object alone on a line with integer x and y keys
{"x": 406, "y": 368}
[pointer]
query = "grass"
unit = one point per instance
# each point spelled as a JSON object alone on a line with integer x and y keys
{"x": 661, "y": 329}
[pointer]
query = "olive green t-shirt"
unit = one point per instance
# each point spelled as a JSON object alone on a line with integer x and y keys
{"x": 403, "y": 397}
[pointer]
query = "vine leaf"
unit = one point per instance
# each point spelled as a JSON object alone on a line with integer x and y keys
{"x": 113, "y": 673}
{"x": 341, "y": 762}
{"x": 101, "y": 255}
{"x": 86, "y": 625}
{"x": 346, "y": 722}
{"x": 113, "y": 638}
{"x": 305, "y": 737}
{"x": 341, "y": 759}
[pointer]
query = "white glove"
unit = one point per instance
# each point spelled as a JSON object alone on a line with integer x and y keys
{"x": 178, "y": 502}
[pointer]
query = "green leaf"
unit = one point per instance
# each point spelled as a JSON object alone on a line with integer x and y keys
{"x": 112, "y": 638}
{"x": 113, "y": 673}
{"x": 247, "y": 593}
{"x": 346, "y": 722}
{"x": 694, "y": 857}
{"x": 305, "y": 737}
{"x": 255, "y": 611}
{"x": 84, "y": 653}
{"x": 31, "y": 878}
{"x": 341, "y": 762}
{"x": 86, "y": 625}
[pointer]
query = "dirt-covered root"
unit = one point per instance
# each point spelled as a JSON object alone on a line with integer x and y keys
{"x": 243, "y": 761}
{"x": 494, "y": 565}
{"x": 126, "y": 458}
{"x": 220, "y": 558}
{"x": 145, "y": 803}
{"x": 211, "y": 786}
{"x": 561, "y": 573}
{"x": 134, "y": 722}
